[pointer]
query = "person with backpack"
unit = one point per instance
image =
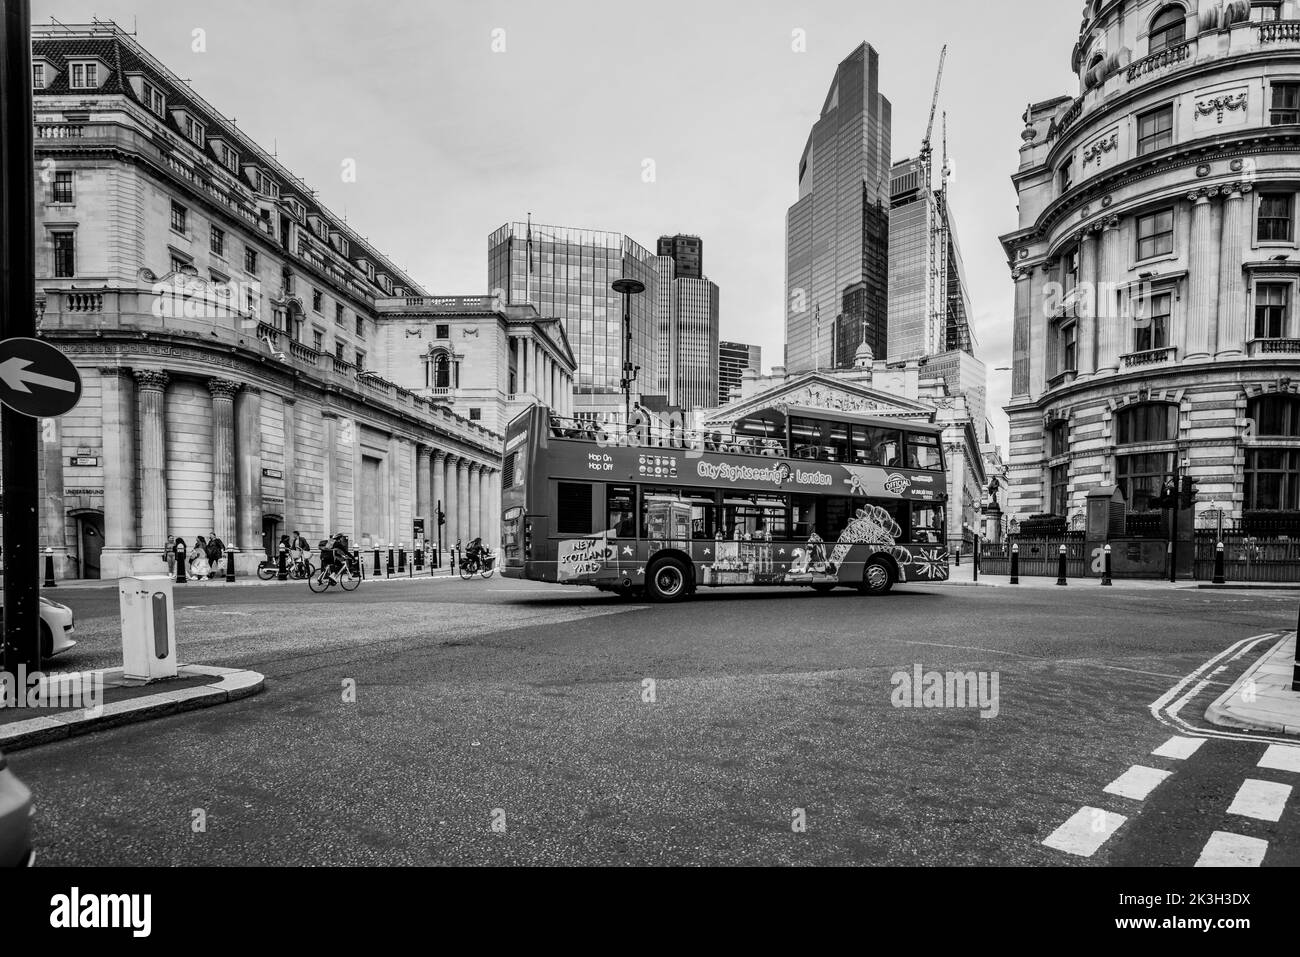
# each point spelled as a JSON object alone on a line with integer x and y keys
{"x": 216, "y": 552}
{"x": 335, "y": 556}
{"x": 199, "y": 567}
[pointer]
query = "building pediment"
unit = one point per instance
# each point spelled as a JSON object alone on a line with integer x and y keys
{"x": 821, "y": 391}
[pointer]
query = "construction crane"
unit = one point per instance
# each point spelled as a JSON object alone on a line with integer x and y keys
{"x": 938, "y": 238}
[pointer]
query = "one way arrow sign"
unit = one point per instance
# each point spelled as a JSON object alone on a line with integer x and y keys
{"x": 37, "y": 379}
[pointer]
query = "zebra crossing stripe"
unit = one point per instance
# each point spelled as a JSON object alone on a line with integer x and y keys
{"x": 1262, "y": 800}
{"x": 1137, "y": 782}
{"x": 1225, "y": 849}
{"x": 1085, "y": 832}
{"x": 1281, "y": 757}
{"x": 1179, "y": 748}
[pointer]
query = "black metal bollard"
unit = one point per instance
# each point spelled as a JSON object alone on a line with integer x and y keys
{"x": 436, "y": 561}
{"x": 1015, "y": 564}
{"x": 419, "y": 559}
{"x": 180, "y": 568}
{"x": 958, "y": 555}
{"x": 452, "y": 552}
{"x": 377, "y": 572}
{"x": 49, "y": 568}
{"x": 388, "y": 571}
{"x": 282, "y": 568}
{"x": 1295, "y": 671}
{"x": 230, "y": 567}
{"x": 401, "y": 557}
{"x": 1061, "y": 568}
{"x": 1105, "y": 566}
{"x": 1219, "y": 577}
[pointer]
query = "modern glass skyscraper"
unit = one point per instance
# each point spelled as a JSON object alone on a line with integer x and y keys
{"x": 924, "y": 321}
{"x": 566, "y": 273}
{"x": 695, "y": 302}
{"x": 837, "y": 234}
{"x": 733, "y": 359}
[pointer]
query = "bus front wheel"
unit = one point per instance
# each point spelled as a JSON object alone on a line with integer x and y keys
{"x": 877, "y": 578}
{"x": 667, "y": 581}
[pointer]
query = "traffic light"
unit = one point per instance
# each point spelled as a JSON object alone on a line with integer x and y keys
{"x": 1187, "y": 498}
{"x": 442, "y": 517}
{"x": 1167, "y": 499}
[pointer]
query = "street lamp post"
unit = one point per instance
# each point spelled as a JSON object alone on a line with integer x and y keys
{"x": 627, "y": 288}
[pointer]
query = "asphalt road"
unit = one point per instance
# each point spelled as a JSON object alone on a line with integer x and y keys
{"x": 506, "y": 722}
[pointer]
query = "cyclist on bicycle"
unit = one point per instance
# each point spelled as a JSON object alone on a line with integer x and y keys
{"x": 336, "y": 551}
{"x": 475, "y": 552}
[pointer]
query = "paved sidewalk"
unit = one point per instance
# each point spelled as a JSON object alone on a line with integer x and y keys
{"x": 246, "y": 580}
{"x": 1262, "y": 699}
{"x": 965, "y": 575}
{"x": 106, "y": 699}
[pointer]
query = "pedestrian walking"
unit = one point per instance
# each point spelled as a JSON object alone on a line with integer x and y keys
{"x": 216, "y": 553}
{"x": 169, "y": 555}
{"x": 199, "y": 567}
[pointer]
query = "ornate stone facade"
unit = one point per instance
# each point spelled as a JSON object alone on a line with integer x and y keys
{"x": 1157, "y": 280}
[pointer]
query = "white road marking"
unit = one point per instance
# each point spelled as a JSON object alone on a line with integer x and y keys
{"x": 1281, "y": 757}
{"x": 1137, "y": 782}
{"x": 1262, "y": 800}
{"x": 1085, "y": 832}
{"x": 1225, "y": 849}
{"x": 1179, "y": 748}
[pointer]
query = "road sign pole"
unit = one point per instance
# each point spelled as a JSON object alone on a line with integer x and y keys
{"x": 19, "y": 455}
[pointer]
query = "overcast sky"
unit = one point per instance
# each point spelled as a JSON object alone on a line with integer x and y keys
{"x": 452, "y": 139}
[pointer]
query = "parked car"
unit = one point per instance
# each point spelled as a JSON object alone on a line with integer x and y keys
{"x": 16, "y": 811}
{"x": 56, "y": 628}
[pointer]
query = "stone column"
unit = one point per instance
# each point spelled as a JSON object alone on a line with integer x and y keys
{"x": 439, "y": 493}
{"x": 1202, "y": 278}
{"x": 1087, "y": 322}
{"x": 223, "y": 457}
{"x": 290, "y": 510}
{"x": 248, "y": 453}
{"x": 424, "y": 486}
{"x": 118, "y": 404}
{"x": 488, "y": 526}
{"x": 151, "y": 388}
{"x": 1231, "y": 330}
{"x": 523, "y": 364}
{"x": 462, "y": 501}
{"x": 1020, "y": 332}
{"x": 1112, "y": 327}
{"x": 54, "y": 532}
{"x": 475, "y": 500}
{"x": 452, "y": 503}
{"x": 329, "y": 510}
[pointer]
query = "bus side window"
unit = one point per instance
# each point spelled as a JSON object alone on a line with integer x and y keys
{"x": 620, "y": 507}
{"x": 927, "y": 523}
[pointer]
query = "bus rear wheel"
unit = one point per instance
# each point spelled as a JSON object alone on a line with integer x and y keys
{"x": 667, "y": 581}
{"x": 877, "y": 578}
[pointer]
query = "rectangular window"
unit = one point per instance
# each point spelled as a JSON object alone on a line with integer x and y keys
{"x": 338, "y": 351}
{"x": 229, "y": 158}
{"x": 218, "y": 241}
{"x": 1149, "y": 422}
{"x": 442, "y": 331}
{"x": 1067, "y": 175}
{"x": 338, "y": 313}
{"x": 317, "y": 300}
{"x": 923, "y": 452}
{"x": 758, "y": 517}
{"x": 1155, "y": 130}
{"x": 1058, "y": 439}
{"x": 178, "y": 264}
{"x": 179, "y": 217}
{"x": 62, "y": 187}
{"x": 1272, "y": 305}
{"x": 1060, "y": 489}
{"x": 318, "y": 340}
{"x": 573, "y": 508}
{"x": 1155, "y": 234}
{"x": 1275, "y": 217}
{"x": 1266, "y": 11}
{"x": 84, "y": 76}
{"x": 476, "y": 415}
{"x": 1272, "y": 479}
{"x": 1143, "y": 477}
{"x": 153, "y": 99}
{"x": 620, "y": 507}
{"x": 928, "y": 525}
{"x": 194, "y": 131}
{"x": 361, "y": 328}
{"x": 1151, "y": 324}
{"x": 38, "y": 76}
{"x": 876, "y": 446}
{"x": 250, "y": 260}
{"x": 1069, "y": 348}
{"x": 1285, "y": 107}
{"x": 65, "y": 255}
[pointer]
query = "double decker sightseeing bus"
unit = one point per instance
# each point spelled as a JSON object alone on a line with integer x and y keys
{"x": 791, "y": 497}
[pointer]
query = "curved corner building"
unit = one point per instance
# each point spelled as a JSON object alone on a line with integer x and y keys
{"x": 1156, "y": 266}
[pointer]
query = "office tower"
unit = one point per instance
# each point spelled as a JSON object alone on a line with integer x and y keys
{"x": 687, "y": 252}
{"x": 837, "y": 233}
{"x": 733, "y": 359}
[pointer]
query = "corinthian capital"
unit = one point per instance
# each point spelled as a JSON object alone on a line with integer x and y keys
{"x": 151, "y": 379}
{"x": 222, "y": 388}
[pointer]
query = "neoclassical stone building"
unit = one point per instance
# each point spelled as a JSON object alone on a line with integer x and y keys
{"x": 228, "y": 328}
{"x": 1156, "y": 265}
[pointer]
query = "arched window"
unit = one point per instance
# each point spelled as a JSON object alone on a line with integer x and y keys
{"x": 1275, "y": 416}
{"x": 441, "y": 371}
{"x": 1147, "y": 422}
{"x": 1169, "y": 28}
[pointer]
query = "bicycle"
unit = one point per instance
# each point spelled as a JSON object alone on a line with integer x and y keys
{"x": 298, "y": 569}
{"x": 476, "y": 565}
{"x": 348, "y": 580}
